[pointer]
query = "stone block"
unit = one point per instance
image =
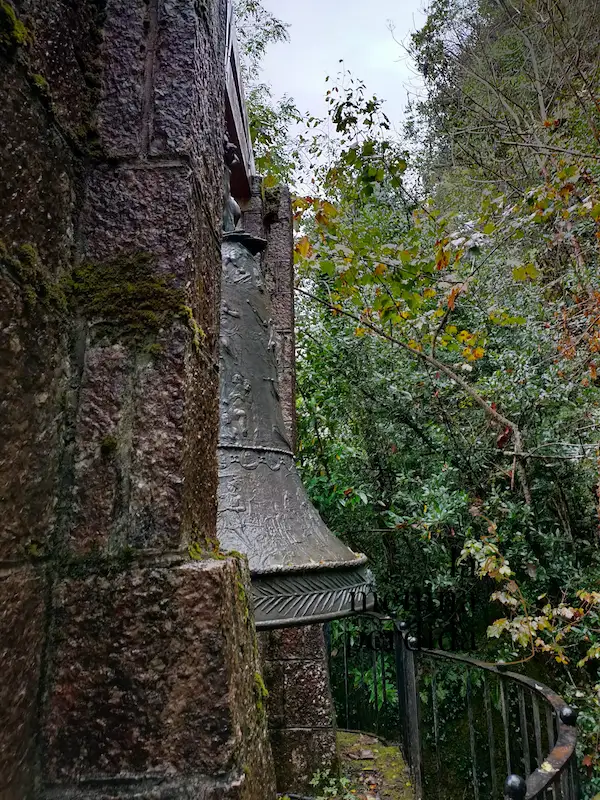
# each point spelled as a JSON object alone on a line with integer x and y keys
{"x": 252, "y": 209}
{"x": 274, "y": 676}
{"x": 189, "y": 84}
{"x": 172, "y": 421}
{"x": 304, "y": 642}
{"x": 33, "y": 372}
{"x": 279, "y": 274}
{"x": 126, "y": 93}
{"x": 141, "y": 209}
{"x": 307, "y": 695}
{"x": 21, "y": 641}
{"x": 64, "y": 60}
{"x": 298, "y": 754}
{"x": 154, "y": 675}
{"x": 37, "y": 191}
{"x": 37, "y": 201}
{"x": 157, "y": 473}
{"x": 97, "y": 499}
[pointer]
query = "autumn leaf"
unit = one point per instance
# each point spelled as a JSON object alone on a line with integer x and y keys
{"x": 303, "y": 247}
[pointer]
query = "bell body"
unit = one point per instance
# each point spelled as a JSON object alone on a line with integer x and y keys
{"x": 301, "y": 572}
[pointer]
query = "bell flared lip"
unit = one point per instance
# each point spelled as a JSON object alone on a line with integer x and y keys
{"x": 310, "y": 566}
{"x": 305, "y": 597}
{"x": 315, "y": 619}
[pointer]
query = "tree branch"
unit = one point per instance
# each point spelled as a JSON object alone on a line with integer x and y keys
{"x": 421, "y": 355}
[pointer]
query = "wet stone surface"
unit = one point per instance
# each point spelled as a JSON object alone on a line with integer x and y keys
{"x": 376, "y": 770}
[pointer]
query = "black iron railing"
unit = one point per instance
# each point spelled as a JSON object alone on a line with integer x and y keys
{"x": 463, "y": 725}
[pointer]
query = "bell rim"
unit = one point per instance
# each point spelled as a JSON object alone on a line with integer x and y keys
{"x": 325, "y": 566}
{"x": 316, "y": 619}
{"x": 292, "y": 599}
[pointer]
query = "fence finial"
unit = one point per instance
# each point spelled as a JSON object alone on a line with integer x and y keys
{"x": 568, "y": 715}
{"x": 515, "y": 788}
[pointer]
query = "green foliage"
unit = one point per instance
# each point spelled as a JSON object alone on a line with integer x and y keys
{"x": 449, "y": 336}
{"x": 449, "y": 331}
{"x": 275, "y": 152}
{"x": 331, "y": 787}
{"x": 256, "y": 29}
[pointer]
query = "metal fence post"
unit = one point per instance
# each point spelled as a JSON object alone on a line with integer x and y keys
{"x": 406, "y": 661}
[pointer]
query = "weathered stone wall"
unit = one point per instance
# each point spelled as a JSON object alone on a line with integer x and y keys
{"x": 301, "y": 715}
{"x": 128, "y": 669}
{"x": 300, "y": 706}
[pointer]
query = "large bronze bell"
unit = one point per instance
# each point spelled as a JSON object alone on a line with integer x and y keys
{"x": 301, "y": 573}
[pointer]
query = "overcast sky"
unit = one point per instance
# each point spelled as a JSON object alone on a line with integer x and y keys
{"x": 324, "y": 31}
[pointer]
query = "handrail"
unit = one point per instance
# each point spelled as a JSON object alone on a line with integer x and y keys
{"x": 564, "y": 748}
{"x": 544, "y": 722}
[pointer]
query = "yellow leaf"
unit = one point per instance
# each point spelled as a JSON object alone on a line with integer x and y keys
{"x": 303, "y": 247}
{"x": 478, "y": 352}
{"x": 429, "y": 293}
{"x": 329, "y": 209}
{"x": 380, "y": 269}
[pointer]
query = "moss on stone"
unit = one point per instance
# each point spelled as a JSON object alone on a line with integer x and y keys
{"x": 125, "y": 298}
{"x": 41, "y": 84}
{"x": 385, "y": 767}
{"x": 24, "y": 266}
{"x": 261, "y": 692}
{"x": 88, "y": 140}
{"x": 154, "y": 349}
{"x": 202, "y": 546}
{"x": 243, "y": 598}
{"x": 198, "y": 333}
{"x": 13, "y": 33}
{"x": 108, "y": 446}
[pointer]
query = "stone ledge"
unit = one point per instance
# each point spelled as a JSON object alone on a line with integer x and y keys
{"x": 229, "y": 787}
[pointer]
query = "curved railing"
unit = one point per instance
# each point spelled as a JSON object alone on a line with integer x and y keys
{"x": 463, "y": 724}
